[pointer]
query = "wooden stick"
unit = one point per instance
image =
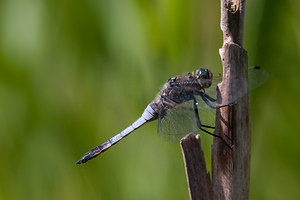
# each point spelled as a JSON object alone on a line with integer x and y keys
{"x": 197, "y": 176}
{"x": 231, "y": 167}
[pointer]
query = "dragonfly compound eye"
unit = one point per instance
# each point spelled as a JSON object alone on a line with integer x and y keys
{"x": 204, "y": 77}
{"x": 203, "y": 73}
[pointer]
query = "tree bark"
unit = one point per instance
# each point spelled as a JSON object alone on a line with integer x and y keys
{"x": 197, "y": 176}
{"x": 230, "y": 167}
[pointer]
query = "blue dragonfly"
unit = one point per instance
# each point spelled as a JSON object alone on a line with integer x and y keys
{"x": 185, "y": 104}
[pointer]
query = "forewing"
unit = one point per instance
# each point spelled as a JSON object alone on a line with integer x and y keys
{"x": 181, "y": 120}
{"x": 257, "y": 76}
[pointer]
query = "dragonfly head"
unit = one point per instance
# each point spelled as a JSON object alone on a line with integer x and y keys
{"x": 204, "y": 77}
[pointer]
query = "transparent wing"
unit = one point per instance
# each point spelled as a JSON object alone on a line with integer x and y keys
{"x": 181, "y": 120}
{"x": 257, "y": 76}
{"x": 177, "y": 122}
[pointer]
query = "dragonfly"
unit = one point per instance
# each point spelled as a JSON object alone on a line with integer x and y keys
{"x": 184, "y": 105}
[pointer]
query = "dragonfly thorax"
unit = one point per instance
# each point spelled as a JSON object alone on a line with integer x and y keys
{"x": 180, "y": 89}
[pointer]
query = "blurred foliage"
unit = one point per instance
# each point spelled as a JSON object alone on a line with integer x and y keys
{"x": 75, "y": 73}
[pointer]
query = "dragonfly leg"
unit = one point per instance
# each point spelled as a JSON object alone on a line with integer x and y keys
{"x": 206, "y": 100}
{"x": 197, "y": 114}
{"x": 205, "y": 126}
{"x": 209, "y": 97}
{"x": 203, "y": 96}
{"x": 200, "y": 125}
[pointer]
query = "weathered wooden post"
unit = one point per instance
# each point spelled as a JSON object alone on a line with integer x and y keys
{"x": 230, "y": 167}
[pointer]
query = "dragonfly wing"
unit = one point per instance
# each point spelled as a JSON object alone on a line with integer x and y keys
{"x": 177, "y": 122}
{"x": 181, "y": 120}
{"x": 257, "y": 76}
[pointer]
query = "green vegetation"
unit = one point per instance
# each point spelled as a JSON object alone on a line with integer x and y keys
{"x": 75, "y": 73}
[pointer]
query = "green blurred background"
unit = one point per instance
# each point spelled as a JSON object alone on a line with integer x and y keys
{"x": 73, "y": 74}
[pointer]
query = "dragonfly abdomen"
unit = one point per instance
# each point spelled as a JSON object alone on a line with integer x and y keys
{"x": 149, "y": 114}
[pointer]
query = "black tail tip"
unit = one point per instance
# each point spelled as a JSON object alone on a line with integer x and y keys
{"x": 81, "y": 161}
{"x": 78, "y": 162}
{"x": 89, "y": 155}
